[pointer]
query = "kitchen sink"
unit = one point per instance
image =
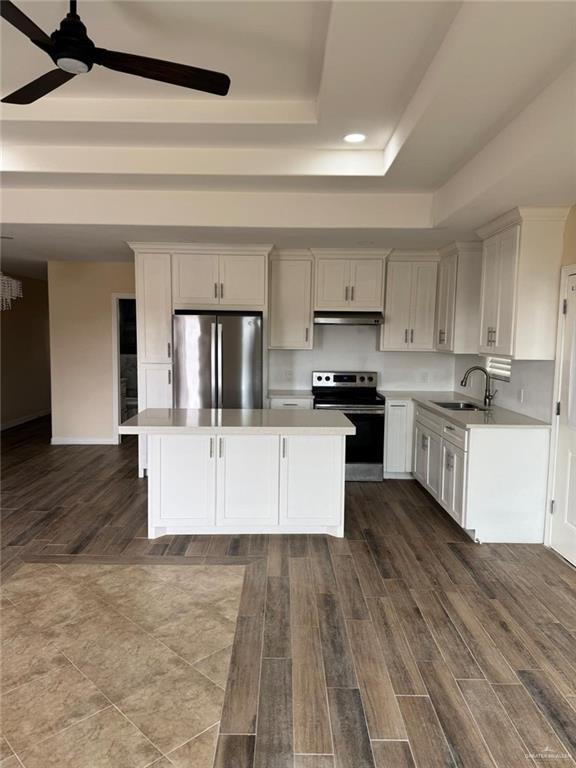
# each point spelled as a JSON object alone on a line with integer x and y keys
{"x": 460, "y": 406}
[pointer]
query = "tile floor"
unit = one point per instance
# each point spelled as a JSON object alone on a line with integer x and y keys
{"x": 109, "y": 666}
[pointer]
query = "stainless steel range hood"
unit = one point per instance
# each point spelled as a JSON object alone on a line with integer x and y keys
{"x": 348, "y": 318}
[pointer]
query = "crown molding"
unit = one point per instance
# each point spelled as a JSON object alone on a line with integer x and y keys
{"x": 291, "y": 253}
{"x": 459, "y": 247}
{"x": 352, "y": 253}
{"x": 206, "y": 248}
{"x": 519, "y": 215}
{"x": 401, "y": 255}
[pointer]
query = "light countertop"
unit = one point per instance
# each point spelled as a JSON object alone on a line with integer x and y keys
{"x": 160, "y": 421}
{"x": 494, "y": 417}
{"x": 307, "y": 393}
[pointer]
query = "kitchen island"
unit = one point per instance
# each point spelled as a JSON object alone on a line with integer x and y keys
{"x": 243, "y": 470}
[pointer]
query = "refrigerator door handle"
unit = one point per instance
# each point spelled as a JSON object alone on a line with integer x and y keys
{"x": 219, "y": 365}
{"x": 213, "y": 403}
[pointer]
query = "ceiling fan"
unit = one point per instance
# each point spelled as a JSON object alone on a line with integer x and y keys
{"x": 74, "y": 54}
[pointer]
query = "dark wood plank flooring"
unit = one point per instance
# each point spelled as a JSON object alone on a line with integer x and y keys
{"x": 404, "y": 644}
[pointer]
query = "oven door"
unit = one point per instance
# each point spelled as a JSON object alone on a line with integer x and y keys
{"x": 365, "y": 449}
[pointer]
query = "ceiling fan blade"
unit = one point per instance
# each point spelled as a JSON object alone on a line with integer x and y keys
{"x": 23, "y": 24}
{"x": 39, "y": 87}
{"x": 164, "y": 71}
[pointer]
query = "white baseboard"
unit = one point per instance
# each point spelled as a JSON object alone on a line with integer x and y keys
{"x": 23, "y": 420}
{"x": 84, "y": 441}
{"x": 398, "y": 476}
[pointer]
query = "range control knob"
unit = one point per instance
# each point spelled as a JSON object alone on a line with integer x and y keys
{"x": 370, "y": 378}
{"x": 362, "y": 378}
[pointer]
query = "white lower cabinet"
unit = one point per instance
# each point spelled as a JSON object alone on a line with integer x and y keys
{"x": 248, "y": 470}
{"x": 427, "y": 458}
{"x": 439, "y": 465}
{"x": 310, "y": 488}
{"x": 452, "y": 482}
{"x": 398, "y": 439}
{"x": 246, "y": 484}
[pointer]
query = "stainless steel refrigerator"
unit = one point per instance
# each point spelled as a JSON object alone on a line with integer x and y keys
{"x": 217, "y": 360}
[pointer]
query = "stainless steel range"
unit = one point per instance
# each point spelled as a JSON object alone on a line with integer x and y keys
{"x": 355, "y": 394}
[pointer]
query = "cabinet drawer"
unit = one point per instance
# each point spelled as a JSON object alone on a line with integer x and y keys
{"x": 290, "y": 402}
{"x": 429, "y": 419}
{"x": 455, "y": 435}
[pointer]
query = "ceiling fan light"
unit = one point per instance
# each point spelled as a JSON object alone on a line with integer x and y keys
{"x": 73, "y": 66}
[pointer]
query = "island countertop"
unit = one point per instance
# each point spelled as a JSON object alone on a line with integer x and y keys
{"x": 241, "y": 421}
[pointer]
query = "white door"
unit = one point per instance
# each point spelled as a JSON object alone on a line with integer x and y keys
{"x": 154, "y": 386}
{"x": 195, "y": 279}
{"x": 332, "y": 283}
{"x": 423, "y": 305}
{"x": 366, "y": 284}
{"x": 247, "y": 481}
{"x": 154, "y": 307}
{"x": 434, "y": 464}
{"x": 311, "y": 481}
{"x": 290, "y": 304}
{"x": 490, "y": 291}
{"x": 184, "y": 466}
{"x": 420, "y": 453}
{"x": 445, "y": 306}
{"x": 506, "y": 303}
{"x": 396, "y": 330}
{"x": 563, "y": 535}
{"x": 243, "y": 280}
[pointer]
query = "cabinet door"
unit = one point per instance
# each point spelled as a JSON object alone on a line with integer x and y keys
{"x": 154, "y": 307}
{"x": 396, "y": 437}
{"x": 154, "y": 386}
{"x": 491, "y": 266}
{"x": 247, "y": 481}
{"x": 421, "y": 453}
{"x": 434, "y": 464}
{"x": 453, "y": 478}
{"x": 243, "y": 280}
{"x": 446, "y": 303}
{"x": 366, "y": 284}
{"x": 423, "y": 305}
{"x": 195, "y": 279}
{"x": 506, "y": 295}
{"x": 311, "y": 491}
{"x": 395, "y": 334}
{"x": 332, "y": 283}
{"x": 290, "y": 304}
{"x": 185, "y": 473}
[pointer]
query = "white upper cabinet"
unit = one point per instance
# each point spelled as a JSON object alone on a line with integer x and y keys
{"x": 458, "y": 298}
{"x": 154, "y": 307}
{"x": 410, "y": 307}
{"x": 521, "y": 259}
{"x": 349, "y": 281}
{"x": 291, "y": 300}
{"x": 208, "y": 276}
{"x": 195, "y": 278}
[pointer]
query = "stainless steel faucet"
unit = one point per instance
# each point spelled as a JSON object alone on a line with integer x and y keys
{"x": 489, "y": 394}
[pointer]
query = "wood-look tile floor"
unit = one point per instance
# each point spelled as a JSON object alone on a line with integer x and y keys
{"x": 404, "y": 644}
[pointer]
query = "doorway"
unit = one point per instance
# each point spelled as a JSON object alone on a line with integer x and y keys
{"x": 563, "y": 521}
{"x": 125, "y": 353}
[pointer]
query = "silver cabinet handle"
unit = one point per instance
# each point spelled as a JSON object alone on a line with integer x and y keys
{"x": 346, "y": 292}
{"x": 211, "y": 447}
{"x": 283, "y": 447}
{"x": 450, "y": 429}
{"x": 406, "y": 335}
{"x": 215, "y": 290}
{"x": 352, "y": 293}
{"x": 412, "y": 336}
{"x": 169, "y": 377}
{"x": 307, "y": 334}
{"x": 424, "y": 442}
{"x": 441, "y": 337}
{"x": 221, "y": 290}
{"x": 290, "y": 405}
{"x": 169, "y": 349}
{"x": 397, "y": 406}
{"x": 220, "y": 447}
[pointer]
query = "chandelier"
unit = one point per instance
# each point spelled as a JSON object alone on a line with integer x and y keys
{"x": 10, "y": 288}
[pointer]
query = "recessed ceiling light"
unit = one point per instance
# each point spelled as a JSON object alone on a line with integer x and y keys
{"x": 354, "y": 138}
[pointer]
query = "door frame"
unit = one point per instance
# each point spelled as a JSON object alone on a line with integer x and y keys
{"x": 565, "y": 272}
{"x": 117, "y": 438}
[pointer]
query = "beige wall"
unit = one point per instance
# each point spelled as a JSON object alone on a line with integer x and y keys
{"x": 81, "y": 345}
{"x": 569, "y": 255}
{"x": 26, "y": 355}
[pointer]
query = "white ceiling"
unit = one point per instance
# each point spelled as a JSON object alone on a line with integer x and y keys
{"x": 439, "y": 88}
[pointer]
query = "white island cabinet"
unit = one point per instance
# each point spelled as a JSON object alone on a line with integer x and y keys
{"x": 244, "y": 471}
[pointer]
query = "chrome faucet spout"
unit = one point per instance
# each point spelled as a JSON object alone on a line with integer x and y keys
{"x": 489, "y": 394}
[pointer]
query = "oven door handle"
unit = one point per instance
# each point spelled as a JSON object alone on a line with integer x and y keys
{"x": 351, "y": 411}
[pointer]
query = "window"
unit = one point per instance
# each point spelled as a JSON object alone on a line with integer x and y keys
{"x": 499, "y": 367}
